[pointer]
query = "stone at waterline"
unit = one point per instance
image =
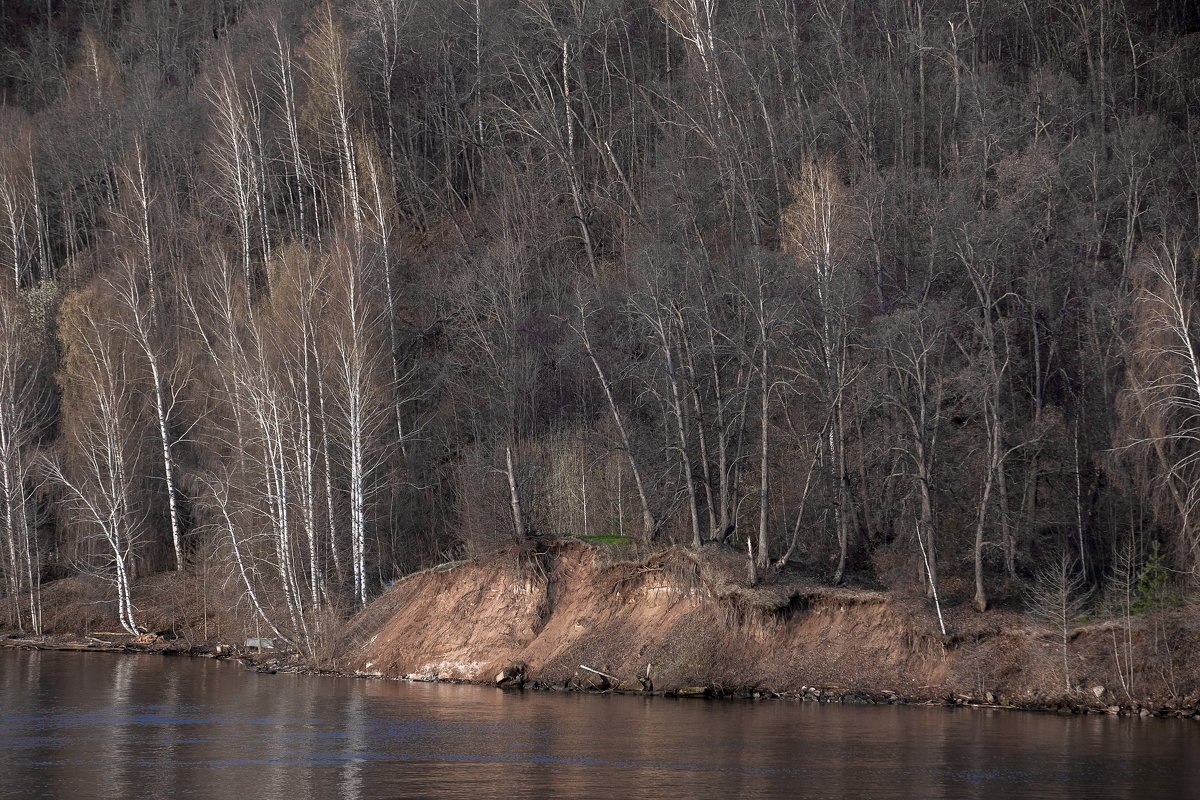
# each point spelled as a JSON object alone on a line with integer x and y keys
{"x": 511, "y": 675}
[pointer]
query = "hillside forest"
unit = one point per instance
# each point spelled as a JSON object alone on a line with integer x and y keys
{"x": 314, "y": 295}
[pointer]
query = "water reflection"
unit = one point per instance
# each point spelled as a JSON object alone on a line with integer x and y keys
{"x": 103, "y": 726}
{"x": 356, "y": 724}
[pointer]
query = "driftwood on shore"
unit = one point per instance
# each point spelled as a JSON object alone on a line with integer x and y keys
{"x": 87, "y": 643}
{"x": 612, "y": 678}
{"x": 594, "y": 680}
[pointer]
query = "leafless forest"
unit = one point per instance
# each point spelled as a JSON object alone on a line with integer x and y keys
{"x": 314, "y": 295}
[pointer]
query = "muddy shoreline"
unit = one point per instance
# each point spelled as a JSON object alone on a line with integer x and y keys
{"x": 291, "y": 663}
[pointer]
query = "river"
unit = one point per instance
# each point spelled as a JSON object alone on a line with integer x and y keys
{"x": 100, "y": 725}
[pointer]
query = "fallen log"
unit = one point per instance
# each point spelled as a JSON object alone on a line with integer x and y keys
{"x": 602, "y": 674}
{"x": 602, "y": 681}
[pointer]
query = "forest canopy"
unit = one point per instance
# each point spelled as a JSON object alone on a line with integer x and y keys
{"x": 318, "y": 294}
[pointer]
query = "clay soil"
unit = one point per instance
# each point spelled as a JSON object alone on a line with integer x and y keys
{"x": 696, "y": 622}
{"x": 545, "y": 612}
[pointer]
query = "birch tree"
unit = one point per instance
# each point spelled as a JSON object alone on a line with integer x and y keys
{"x": 98, "y": 464}
{"x": 237, "y": 155}
{"x": 138, "y": 322}
{"x": 282, "y": 78}
{"x": 381, "y": 211}
{"x": 694, "y": 22}
{"x": 333, "y": 99}
{"x": 16, "y": 223}
{"x": 23, "y": 408}
{"x": 1165, "y": 386}
{"x": 23, "y": 245}
{"x": 358, "y": 358}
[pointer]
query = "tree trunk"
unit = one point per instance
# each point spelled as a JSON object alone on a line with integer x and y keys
{"x": 514, "y": 495}
{"x": 649, "y": 525}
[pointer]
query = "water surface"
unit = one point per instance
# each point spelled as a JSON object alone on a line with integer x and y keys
{"x": 101, "y": 725}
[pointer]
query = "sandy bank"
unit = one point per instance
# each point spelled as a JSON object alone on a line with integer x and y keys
{"x": 691, "y": 619}
{"x": 695, "y": 622}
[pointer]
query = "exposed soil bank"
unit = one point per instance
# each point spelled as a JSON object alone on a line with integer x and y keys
{"x": 542, "y": 615}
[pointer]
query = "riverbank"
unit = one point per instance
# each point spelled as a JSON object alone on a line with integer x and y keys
{"x": 696, "y": 624}
{"x": 290, "y": 663}
{"x": 570, "y": 616}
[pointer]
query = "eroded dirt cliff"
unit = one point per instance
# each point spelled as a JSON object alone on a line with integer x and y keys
{"x": 698, "y": 623}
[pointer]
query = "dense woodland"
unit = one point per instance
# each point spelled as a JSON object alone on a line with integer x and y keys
{"x": 314, "y": 295}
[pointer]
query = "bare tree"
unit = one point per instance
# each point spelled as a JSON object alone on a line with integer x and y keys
{"x": 718, "y": 352}
{"x": 811, "y": 226}
{"x": 994, "y": 357}
{"x": 333, "y": 99}
{"x": 98, "y": 465}
{"x": 546, "y": 111}
{"x": 253, "y": 355}
{"x": 914, "y": 346}
{"x": 23, "y": 406}
{"x": 767, "y": 317}
{"x": 16, "y": 223}
{"x": 380, "y": 207}
{"x": 282, "y": 76}
{"x": 1166, "y": 386}
{"x": 694, "y": 22}
{"x": 138, "y": 322}
{"x": 358, "y": 358}
{"x": 663, "y": 317}
{"x": 237, "y": 156}
{"x": 1057, "y": 598}
{"x": 218, "y": 496}
{"x": 385, "y": 22}
{"x": 649, "y": 524}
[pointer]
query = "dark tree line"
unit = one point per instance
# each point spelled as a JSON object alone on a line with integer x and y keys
{"x": 319, "y": 294}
